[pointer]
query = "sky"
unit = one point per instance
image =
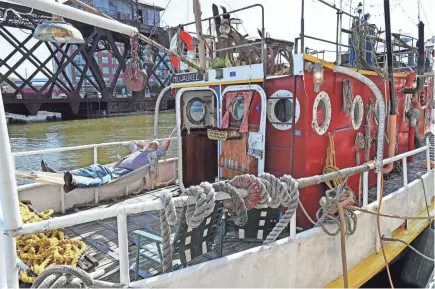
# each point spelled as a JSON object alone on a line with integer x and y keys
{"x": 282, "y": 20}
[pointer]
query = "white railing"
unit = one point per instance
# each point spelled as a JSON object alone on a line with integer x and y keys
{"x": 77, "y": 148}
{"x": 120, "y": 212}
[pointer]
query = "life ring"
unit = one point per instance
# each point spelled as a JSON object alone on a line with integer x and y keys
{"x": 357, "y": 112}
{"x": 175, "y": 46}
{"x": 321, "y": 113}
{"x": 252, "y": 187}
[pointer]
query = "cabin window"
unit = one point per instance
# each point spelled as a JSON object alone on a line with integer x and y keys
{"x": 238, "y": 108}
{"x": 283, "y": 110}
{"x": 357, "y": 112}
{"x": 196, "y": 110}
{"x": 280, "y": 109}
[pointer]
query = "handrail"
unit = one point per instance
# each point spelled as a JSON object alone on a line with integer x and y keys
{"x": 136, "y": 208}
{"x": 75, "y": 148}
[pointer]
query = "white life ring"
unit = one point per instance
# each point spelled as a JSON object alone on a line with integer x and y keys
{"x": 322, "y": 98}
{"x": 357, "y": 112}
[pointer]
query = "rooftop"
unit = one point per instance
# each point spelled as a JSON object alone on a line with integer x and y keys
{"x": 141, "y": 2}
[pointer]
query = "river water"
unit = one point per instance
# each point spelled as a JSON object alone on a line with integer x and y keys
{"x": 46, "y": 135}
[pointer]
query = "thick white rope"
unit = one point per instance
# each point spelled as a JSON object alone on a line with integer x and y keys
{"x": 168, "y": 217}
{"x": 63, "y": 276}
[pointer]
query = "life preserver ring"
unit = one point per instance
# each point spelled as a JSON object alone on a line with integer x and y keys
{"x": 175, "y": 45}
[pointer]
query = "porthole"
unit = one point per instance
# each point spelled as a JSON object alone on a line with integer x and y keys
{"x": 321, "y": 113}
{"x": 195, "y": 110}
{"x": 238, "y": 108}
{"x": 280, "y": 109}
{"x": 357, "y": 113}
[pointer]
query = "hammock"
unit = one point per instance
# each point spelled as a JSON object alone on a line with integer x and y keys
{"x": 56, "y": 179}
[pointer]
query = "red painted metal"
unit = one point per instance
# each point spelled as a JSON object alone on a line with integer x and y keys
{"x": 310, "y": 148}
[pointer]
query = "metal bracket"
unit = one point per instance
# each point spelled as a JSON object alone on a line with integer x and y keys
{"x": 298, "y": 64}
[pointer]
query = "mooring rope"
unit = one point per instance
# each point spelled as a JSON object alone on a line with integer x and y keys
{"x": 62, "y": 276}
{"x": 328, "y": 211}
{"x": 168, "y": 217}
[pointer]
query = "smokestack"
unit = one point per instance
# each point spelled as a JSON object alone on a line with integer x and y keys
{"x": 420, "y": 62}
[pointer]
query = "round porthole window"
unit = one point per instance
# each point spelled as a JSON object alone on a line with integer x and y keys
{"x": 238, "y": 108}
{"x": 280, "y": 109}
{"x": 196, "y": 110}
{"x": 321, "y": 113}
{"x": 357, "y": 112}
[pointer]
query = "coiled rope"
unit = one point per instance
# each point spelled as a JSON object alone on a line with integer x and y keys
{"x": 331, "y": 164}
{"x": 168, "y": 217}
{"x": 273, "y": 192}
{"x": 328, "y": 212}
{"x": 360, "y": 141}
{"x": 43, "y": 250}
{"x": 69, "y": 277}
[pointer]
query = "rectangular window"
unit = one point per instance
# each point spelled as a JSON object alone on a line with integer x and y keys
{"x": 106, "y": 80}
{"x": 106, "y": 70}
{"x": 104, "y": 59}
{"x": 150, "y": 17}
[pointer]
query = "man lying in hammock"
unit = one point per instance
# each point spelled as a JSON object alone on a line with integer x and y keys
{"x": 99, "y": 175}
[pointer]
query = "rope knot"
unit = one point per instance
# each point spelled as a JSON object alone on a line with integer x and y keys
{"x": 288, "y": 191}
{"x": 328, "y": 212}
{"x": 168, "y": 207}
{"x": 237, "y": 208}
{"x": 205, "y": 201}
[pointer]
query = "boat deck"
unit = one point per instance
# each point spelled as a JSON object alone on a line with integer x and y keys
{"x": 102, "y": 236}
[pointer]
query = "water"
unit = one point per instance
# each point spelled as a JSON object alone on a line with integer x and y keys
{"x": 45, "y": 135}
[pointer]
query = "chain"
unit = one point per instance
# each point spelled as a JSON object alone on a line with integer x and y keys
{"x": 134, "y": 43}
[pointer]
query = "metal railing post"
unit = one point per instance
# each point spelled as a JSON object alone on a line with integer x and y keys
{"x": 3, "y": 279}
{"x": 124, "y": 268}
{"x": 405, "y": 172}
{"x": 95, "y": 155}
{"x": 405, "y": 183}
{"x": 365, "y": 189}
{"x": 8, "y": 201}
{"x": 428, "y": 154}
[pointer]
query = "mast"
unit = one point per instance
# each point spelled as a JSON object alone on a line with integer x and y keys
{"x": 393, "y": 104}
{"x": 197, "y": 13}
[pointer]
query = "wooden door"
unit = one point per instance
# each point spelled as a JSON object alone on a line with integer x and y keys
{"x": 199, "y": 157}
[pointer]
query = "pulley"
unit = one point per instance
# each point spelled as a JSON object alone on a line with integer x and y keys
{"x": 135, "y": 78}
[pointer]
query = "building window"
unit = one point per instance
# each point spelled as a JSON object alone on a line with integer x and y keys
{"x": 106, "y": 80}
{"x": 104, "y": 59}
{"x": 106, "y": 70}
{"x": 153, "y": 17}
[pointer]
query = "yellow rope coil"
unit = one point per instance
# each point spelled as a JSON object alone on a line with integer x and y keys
{"x": 43, "y": 250}
{"x": 330, "y": 164}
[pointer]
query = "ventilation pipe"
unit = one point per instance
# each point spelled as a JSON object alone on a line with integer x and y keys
{"x": 420, "y": 63}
